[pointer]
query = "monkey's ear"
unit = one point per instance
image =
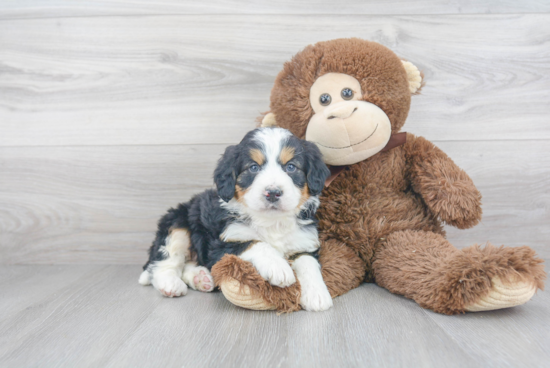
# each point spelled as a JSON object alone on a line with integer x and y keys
{"x": 269, "y": 120}
{"x": 415, "y": 77}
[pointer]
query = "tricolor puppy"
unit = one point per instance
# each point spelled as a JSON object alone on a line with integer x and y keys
{"x": 263, "y": 211}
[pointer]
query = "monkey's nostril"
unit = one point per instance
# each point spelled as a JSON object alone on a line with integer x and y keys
{"x": 342, "y": 113}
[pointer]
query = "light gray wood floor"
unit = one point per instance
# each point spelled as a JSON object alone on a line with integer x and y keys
{"x": 99, "y": 316}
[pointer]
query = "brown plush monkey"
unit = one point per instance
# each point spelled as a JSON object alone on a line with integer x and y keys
{"x": 381, "y": 215}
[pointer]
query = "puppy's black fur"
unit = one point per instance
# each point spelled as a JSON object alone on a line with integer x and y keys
{"x": 206, "y": 220}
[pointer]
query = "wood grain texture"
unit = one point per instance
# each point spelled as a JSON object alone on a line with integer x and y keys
{"x": 521, "y": 334}
{"x": 66, "y": 8}
{"x": 99, "y": 316}
{"x": 101, "y": 204}
{"x": 96, "y": 204}
{"x": 203, "y": 79}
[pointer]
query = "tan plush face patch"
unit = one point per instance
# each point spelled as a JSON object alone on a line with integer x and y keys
{"x": 346, "y": 129}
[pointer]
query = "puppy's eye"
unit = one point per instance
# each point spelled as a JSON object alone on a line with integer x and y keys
{"x": 254, "y": 168}
{"x": 347, "y": 94}
{"x": 325, "y": 99}
{"x": 290, "y": 168}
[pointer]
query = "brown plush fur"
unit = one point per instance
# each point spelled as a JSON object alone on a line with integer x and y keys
{"x": 425, "y": 267}
{"x": 341, "y": 267}
{"x": 284, "y": 299}
{"x": 382, "y": 219}
{"x": 381, "y": 74}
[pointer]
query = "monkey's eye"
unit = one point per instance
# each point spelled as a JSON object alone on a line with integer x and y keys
{"x": 347, "y": 94}
{"x": 290, "y": 168}
{"x": 325, "y": 99}
{"x": 254, "y": 168}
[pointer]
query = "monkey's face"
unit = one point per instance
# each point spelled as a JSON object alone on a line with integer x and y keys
{"x": 347, "y": 96}
{"x": 346, "y": 129}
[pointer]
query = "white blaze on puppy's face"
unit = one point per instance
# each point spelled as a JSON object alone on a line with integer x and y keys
{"x": 272, "y": 190}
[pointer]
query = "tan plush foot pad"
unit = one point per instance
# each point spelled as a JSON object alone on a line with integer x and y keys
{"x": 504, "y": 296}
{"x": 232, "y": 291}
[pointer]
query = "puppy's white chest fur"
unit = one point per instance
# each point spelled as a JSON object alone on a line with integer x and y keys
{"x": 283, "y": 234}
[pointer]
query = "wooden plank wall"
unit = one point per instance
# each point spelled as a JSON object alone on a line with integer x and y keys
{"x": 113, "y": 111}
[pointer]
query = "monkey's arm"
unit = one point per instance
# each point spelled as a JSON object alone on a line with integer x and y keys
{"x": 447, "y": 190}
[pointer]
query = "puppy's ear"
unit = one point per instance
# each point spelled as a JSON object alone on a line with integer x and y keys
{"x": 225, "y": 175}
{"x": 317, "y": 171}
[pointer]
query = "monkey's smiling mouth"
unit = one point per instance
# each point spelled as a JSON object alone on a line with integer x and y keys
{"x": 351, "y": 145}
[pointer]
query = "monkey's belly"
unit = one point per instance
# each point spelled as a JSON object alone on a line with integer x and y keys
{"x": 360, "y": 225}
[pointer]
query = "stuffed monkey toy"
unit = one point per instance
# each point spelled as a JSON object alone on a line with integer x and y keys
{"x": 383, "y": 208}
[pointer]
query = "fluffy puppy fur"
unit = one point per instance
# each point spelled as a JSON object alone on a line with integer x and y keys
{"x": 263, "y": 211}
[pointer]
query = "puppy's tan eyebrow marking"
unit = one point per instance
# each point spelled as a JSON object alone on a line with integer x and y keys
{"x": 257, "y": 156}
{"x": 287, "y": 154}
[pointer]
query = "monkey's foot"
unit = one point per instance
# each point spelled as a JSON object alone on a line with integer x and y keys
{"x": 243, "y": 297}
{"x": 504, "y": 295}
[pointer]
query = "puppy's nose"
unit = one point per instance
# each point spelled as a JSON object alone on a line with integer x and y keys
{"x": 273, "y": 194}
{"x": 342, "y": 110}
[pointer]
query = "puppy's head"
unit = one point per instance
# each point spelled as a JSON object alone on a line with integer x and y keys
{"x": 270, "y": 171}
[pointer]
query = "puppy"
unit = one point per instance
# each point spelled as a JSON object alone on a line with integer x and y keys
{"x": 263, "y": 211}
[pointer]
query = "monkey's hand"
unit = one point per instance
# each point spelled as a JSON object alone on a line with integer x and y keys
{"x": 446, "y": 189}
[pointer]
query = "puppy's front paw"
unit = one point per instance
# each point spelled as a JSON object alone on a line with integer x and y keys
{"x": 315, "y": 298}
{"x": 169, "y": 285}
{"x": 278, "y": 272}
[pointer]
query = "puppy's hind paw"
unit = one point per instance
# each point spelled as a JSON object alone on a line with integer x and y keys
{"x": 199, "y": 278}
{"x": 170, "y": 285}
{"x": 145, "y": 278}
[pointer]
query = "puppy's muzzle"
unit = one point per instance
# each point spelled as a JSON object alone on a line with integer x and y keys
{"x": 273, "y": 194}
